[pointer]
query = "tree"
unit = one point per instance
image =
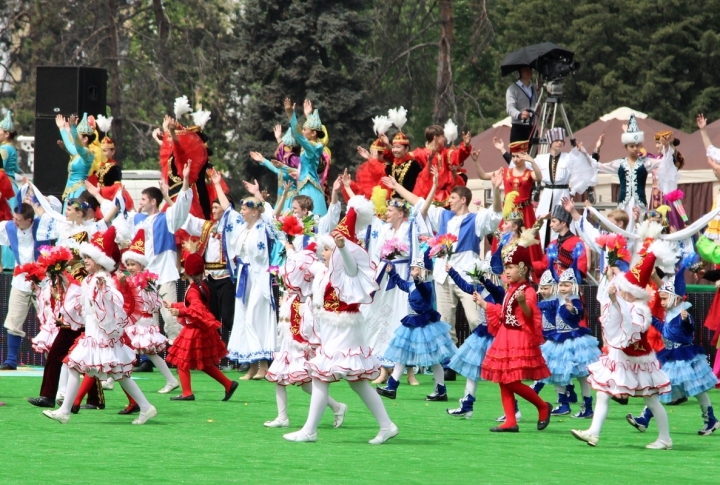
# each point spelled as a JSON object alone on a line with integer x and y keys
{"x": 302, "y": 49}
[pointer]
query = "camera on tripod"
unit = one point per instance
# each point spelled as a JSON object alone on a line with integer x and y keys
{"x": 556, "y": 65}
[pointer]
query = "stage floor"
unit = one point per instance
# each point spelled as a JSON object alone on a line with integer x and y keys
{"x": 213, "y": 442}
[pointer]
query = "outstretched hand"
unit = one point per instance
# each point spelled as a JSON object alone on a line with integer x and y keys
{"x": 363, "y": 152}
{"x": 289, "y": 107}
{"x": 339, "y": 240}
{"x": 499, "y": 144}
{"x": 186, "y": 170}
{"x": 215, "y": 177}
{"x": 389, "y": 182}
{"x": 467, "y": 137}
{"x": 497, "y": 179}
{"x": 257, "y": 156}
{"x": 253, "y": 188}
{"x": 701, "y": 121}
{"x": 307, "y": 107}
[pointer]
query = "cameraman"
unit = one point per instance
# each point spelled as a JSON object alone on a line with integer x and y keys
{"x": 520, "y": 99}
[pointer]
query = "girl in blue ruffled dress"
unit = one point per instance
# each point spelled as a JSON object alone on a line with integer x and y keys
{"x": 684, "y": 362}
{"x": 470, "y": 355}
{"x": 422, "y": 339}
{"x": 569, "y": 348}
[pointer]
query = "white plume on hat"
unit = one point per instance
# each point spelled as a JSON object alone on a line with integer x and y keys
{"x": 451, "y": 131}
{"x": 398, "y": 117}
{"x": 103, "y": 124}
{"x": 364, "y": 211}
{"x": 381, "y": 124}
{"x": 181, "y": 106}
{"x": 200, "y": 118}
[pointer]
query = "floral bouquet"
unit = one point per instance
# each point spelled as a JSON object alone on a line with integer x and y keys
{"x": 145, "y": 280}
{"x": 442, "y": 246}
{"x": 617, "y": 252}
{"x": 676, "y": 198}
{"x": 293, "y": 226}
{"x": 55, "y": 259}
{"x": 476, "y": 275}
{"x": 393, "y": 249}
{"x": 34, "y": 272}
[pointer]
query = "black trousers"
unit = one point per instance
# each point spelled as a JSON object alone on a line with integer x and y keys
{"x": 53, "y": 364}
{"x": 222, "y": 303}
{"x": 520, "y": 132}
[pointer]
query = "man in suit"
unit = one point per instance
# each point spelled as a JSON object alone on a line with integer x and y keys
{"x": 520, "y": 100}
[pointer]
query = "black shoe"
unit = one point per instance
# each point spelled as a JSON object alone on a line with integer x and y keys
{"x": 436, "y": 397}
{"x": 623, "y": 401}
{"x": 542, "y": 424}
{"x": 42, "y": 402}
{"x": 509, "y": 429}
{"x": 450, "y": 375}
{"x": 191, "y": 397}
{"x": 229, "y": 393}
{"x": 243, "y": 367}
{"x": 8, "y": 367}
{"x": 146, "y": 366}
{"x": 92, "y": 406}
{"x": 75, "y": 409}
{"x": 677, "y": 402}
{"x": 130, "y": 409}
{"x": 385, "y": 392}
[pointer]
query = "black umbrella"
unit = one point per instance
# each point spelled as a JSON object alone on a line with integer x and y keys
{"x": 528, "y": 56}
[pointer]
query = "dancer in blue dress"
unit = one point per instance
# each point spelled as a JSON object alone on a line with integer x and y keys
{"x": 76, "y": 139}
{"x": 569, "y": 348}
{"x": 684, "y": 362}
{"x": 470, "y": 355}
{"x": 308, "y": 181}
{"x": 8, "y": 186}
{"x": 422, "y": 339}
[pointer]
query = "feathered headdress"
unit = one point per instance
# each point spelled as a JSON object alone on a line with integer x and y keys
{"x": 381, "y": 124}
{"x": 379, "y": 200}
{"x": 181, "y": 106}
{"x": 451, "y": 131}
{"x": 103, "y": 124}
{"x": 398, "y": 116}
{"x": 200, "y": 118}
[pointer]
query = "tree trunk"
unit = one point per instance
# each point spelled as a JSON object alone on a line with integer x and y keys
{"x": 444, "y": 97}
{"x": 115, "y": 101}
{"x": 165, "y": 62}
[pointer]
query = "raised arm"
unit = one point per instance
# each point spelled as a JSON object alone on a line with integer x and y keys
{"x": 702, "y": 123}
{"x": 431, "y": 196}
{"x": 392, "y": 184}
{"x": 281, "y": 201}
{"x": 177, "y": 214}
{"x": 482, "y": 175}
{"x": 66, "y": 137}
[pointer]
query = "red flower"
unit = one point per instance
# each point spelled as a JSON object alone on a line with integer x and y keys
{"x": 57, "y": 255}
{"x": 34, "y": 272}
{"x": 601, "y": 240}
{"x": 291, "y": 226}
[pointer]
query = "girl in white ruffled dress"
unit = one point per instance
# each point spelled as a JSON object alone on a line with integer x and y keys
{"x": 100, "y": 352}
{"x": 343, "y": 354}
{"x": 296, "y": 333}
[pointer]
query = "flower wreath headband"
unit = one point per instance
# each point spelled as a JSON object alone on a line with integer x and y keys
{"x": 402, "y": 205}
{"x": 79, "y": 204}
{"x": 252, "y": 204}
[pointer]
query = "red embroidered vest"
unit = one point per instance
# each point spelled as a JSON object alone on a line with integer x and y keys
{"x": 510, "y": 306}
{"x": 333, "y": 304}
{"x": 639, "y": 348}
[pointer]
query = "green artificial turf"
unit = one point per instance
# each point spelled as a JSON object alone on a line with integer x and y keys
{"x": 209, "y": 442}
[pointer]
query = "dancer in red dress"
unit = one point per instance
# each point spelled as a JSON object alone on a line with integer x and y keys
{"x": 515, "y": 353}
{"x": 199, "y": 345}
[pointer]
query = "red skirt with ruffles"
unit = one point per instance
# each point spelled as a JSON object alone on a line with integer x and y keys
{"x": 514, "y": 356}
{"x": 197, "y": 347}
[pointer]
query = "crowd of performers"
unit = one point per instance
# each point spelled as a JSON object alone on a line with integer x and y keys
{"x": 369, "y": 296}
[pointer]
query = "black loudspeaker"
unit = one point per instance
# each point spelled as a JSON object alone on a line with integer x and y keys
{"x": 70, "y": 90}
{"x": 51, "y": 161}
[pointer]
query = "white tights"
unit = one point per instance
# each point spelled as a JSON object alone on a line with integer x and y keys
{"x": 281, "y": 398}
{"x": 470, "y": 387}
{"x": 162, "y": 367}
{"x": 73, "y": 386}
{"x": 320, "y": 397}
{"x": 62, "y": 384}
{"x": 661, "y": 419}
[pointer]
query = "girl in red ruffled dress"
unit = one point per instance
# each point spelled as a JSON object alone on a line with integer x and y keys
{"x": 199, "y": 345}
{"x": 515, "y": 355}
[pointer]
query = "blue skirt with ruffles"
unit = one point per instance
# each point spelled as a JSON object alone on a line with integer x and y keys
{"x": 470, "y": 356}
{"x": 569, "y": 358}
{"x": 688, "y": 378}
{"x": 424, "y": 346}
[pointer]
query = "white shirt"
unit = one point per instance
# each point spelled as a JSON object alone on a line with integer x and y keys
{"x": 165, "y": 263}
{"x": 26, "y": 251}
{"x": 486, "y": 222}
{"x": 324, "y": 224}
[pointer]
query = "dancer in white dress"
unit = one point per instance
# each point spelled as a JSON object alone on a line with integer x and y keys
{"x": 630, "y": 368}
{"x": 100, "y": 352}
{"x": 296, "y": 330}
{"x": 343, "y": 353}
{"x": 248, "y": 236}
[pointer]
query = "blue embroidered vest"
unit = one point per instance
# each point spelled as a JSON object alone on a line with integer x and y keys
{"x": 12, "y": 229}
{"x": 639, "y": 178}
{"x": 467, "y": 239}
{"x": 163, "y": 239}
